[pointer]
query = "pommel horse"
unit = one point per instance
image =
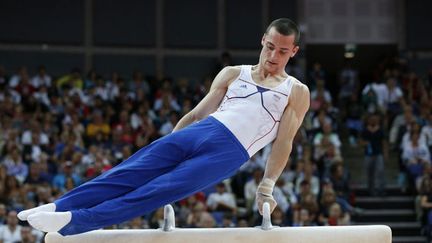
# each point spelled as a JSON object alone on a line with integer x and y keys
{"x": 266, "y": 233}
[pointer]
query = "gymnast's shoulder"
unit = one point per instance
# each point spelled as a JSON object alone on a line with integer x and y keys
{"x": 229, "y": 73}
{"x": 231, "y": 70}
{"x": 299, "y": 89}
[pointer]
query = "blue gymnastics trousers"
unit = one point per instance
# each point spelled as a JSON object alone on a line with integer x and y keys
{"x": 167, "y": 170}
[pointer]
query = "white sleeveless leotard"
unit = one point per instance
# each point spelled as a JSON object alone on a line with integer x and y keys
{"x": 253, "y": 112}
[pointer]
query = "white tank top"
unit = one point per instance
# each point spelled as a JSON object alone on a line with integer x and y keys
{"x": 253, "y": 112}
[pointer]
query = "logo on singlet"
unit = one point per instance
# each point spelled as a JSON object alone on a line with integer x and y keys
{"x": 276, "y": 97}
{"x": 243, "y": 86}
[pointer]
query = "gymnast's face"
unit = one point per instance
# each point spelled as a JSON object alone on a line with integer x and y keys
{"x": 277, "y": 50}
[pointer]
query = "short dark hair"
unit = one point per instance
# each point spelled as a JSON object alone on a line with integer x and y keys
{"x": 285, "y": 26}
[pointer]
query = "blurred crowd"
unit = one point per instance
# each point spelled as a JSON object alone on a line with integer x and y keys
{"x": 390, "y": 118}
{"x": 59, "y": 132}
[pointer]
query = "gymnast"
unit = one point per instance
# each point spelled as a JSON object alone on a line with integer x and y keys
{"x": 246, "y": 108}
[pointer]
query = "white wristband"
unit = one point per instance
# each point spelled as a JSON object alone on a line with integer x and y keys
{"x": 266, "y": 186}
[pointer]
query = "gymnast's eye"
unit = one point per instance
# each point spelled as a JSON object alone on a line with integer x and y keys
{"x": 270, "y": 47}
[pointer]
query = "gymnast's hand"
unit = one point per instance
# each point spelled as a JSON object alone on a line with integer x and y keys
{"x": 264, "y": 194}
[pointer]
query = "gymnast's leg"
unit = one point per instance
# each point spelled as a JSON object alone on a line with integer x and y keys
{"x": 215, "y": 160}
{"x": 143, "y": 166}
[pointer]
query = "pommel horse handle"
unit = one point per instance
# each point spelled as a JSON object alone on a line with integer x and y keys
{"x": 169, "y": 218}
{"x": 266, "y": 222}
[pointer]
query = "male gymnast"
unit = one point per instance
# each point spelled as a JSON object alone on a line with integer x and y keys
{"x": 246, "y": 108}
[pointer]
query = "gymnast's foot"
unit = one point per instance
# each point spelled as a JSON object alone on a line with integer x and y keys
{"x": 49, "y": 221}
{"x": 23, "y": 215}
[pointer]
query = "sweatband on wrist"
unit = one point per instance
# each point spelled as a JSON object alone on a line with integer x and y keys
{"x": 266, "y": 186}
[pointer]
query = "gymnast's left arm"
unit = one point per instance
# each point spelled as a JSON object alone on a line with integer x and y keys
{"x": 291, "y": 121}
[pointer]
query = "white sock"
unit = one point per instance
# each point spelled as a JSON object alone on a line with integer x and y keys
{"x": 49, "y": 221}
{"x": 23, "y": 215}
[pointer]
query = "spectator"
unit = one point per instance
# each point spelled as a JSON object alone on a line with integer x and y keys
{"x": 98, "y": 125}
{"x": 137, "y": 223}
{"x": 427, "y": 131}
{"x": 16, "y": 78}
{"x": 412, "y": 86}
{"x": 319, "y": 120}
{"x": 42, "y": 97}
{"x": 424, "y": 189}
{"x": 36, "y": 176}
{"x": 309, "y": 202}
{"x": 354, "y": 119}
{"x": 157, "y": 219}
{"x": 303, "y": 219}
{"x": 122, "y": 121}
{"x": 242, "y": 223}
{"x": 35, "y": 130}
{"x": 27, "y": 235}
{"x": 44, "y": 195}
{"x": 414, "y": 127}
{"x": 257, "y": 161}
{"x": 187, "y": 206}
{"x": 320, "y": 95}
{"x": 114, "y": 85}
{"x": 24, "y": 88}
{"x": 144, "y": 118}
{"x": 138, "y": 83}
{"x": 415, "y": 155}
{"x": 221, "y": 200}
{"x": 182, "y": 90}
{"x": 324, "y": 139}
{"x": 348, "y": 81}
{"x": 279, "y": 217}
{"x": 337, "y": 216}
{"x": 340, "y": 180}
{"x": 251, "y": 187}
{"x": 11, "y": 232}
{"x": 308, "y": 175}
{"x": 194, "y": 219}
{"x": 206, "y": 221}
{"x": 392, "y": 99}
{"x": 328, "y": 198}
{"x": 227, "y": 221}
{"x": 69, "y": 81}
{"x": 41, "y": 79}
{"x": 426, "y": 205}
{"x": 60, "y": 180}
{"x": 167, "y": 101}
{"x": 375, "y": 150}
{"x": 371, "y": 98}
{"x": 100, "y": 89}
{"x": 317, "y": 73}
{"x": 169, "y": 125}
{"x": 14, "y": 165}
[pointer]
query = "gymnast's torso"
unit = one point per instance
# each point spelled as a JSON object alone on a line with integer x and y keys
{"x": 252, "y": 112}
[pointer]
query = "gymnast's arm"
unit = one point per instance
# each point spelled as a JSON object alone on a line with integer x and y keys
{"x": 281, "y": 149}
{"x": 211, "y": 101}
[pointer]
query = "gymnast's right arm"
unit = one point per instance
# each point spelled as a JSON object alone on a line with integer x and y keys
{"x": 212, "y": 100}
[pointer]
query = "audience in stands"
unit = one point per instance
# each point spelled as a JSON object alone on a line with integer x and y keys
{"x": 58, "y": 132}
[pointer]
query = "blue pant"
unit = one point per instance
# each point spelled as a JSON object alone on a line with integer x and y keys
{"x": 375, "y": 173}
{"x": 169, "y": 169}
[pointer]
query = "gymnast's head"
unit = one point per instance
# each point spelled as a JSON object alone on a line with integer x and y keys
{"x": 279, "y": 43}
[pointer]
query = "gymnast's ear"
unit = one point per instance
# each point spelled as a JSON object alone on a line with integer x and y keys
{"x": 263, "y": 39}
{"x": 295, "y": 50}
